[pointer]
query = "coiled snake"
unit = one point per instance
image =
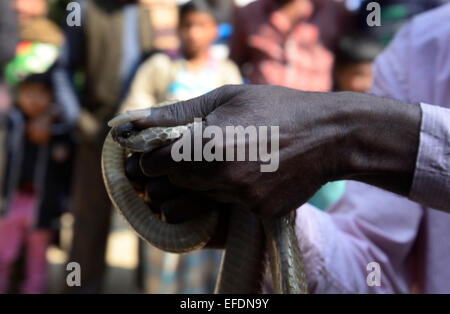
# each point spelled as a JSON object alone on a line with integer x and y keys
{"x": 249, "y": 237}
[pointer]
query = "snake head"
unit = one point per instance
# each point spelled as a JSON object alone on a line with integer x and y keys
{"x": 128, "y": 137}
{"x": 143, "y": 140}
{"x": 146, "y": 140}
{"x": 133, "y": 139}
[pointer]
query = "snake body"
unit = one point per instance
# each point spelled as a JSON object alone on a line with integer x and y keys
{"x": 249, "y": 237}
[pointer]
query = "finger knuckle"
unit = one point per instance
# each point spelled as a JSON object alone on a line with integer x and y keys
{"x": 176, "y": 112}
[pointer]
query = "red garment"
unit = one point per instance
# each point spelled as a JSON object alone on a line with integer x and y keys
{"x": 280, "y": 53}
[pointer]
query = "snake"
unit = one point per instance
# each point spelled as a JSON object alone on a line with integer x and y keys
{"x": 251, "y": 241}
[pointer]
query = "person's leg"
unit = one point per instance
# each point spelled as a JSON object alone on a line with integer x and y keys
{"x": 36, "y": 261}
{"x": 11, "y": 239}
{"x": 12, "y": 231}
{"x": 92, "y": 211}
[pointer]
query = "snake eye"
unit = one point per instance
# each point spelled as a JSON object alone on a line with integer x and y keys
{"x": 123, "y": 131}
{"x": 126, "y": 134}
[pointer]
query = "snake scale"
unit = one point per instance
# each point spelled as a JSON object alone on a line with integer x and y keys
{"x": 249, "y": 239}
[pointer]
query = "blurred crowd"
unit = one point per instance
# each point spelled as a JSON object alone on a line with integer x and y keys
{"x": 60, "y": 84}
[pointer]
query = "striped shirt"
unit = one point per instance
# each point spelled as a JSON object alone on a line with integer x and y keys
{"x": 431, "y": 184}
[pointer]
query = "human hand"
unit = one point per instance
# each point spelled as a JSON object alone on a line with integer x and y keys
{"x": 304, "y": 156}
{"x": 322, "y": 137}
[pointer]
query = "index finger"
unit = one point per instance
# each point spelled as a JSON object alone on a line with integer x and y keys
{"x": 182, "y": 112}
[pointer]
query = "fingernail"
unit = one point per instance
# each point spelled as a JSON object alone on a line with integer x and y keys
{"x": 129, "y": 116}
{"x": 139, "y": 114}
{"x": 120, "y": 119}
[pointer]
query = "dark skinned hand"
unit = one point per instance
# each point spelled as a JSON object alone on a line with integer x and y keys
{"x": 322, "y": 137}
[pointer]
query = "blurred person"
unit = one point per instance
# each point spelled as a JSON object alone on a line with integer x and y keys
{"x": 32, "y": 28}
{"x": 105, "y": 51}
{"x": 195, "y": 72}
{"x": 274, "y": 43}
{"x": 39, "y": 171}
{"x": 333, "y": 18}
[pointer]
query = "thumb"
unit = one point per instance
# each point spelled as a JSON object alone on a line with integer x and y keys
{"x": 182, "y": 112}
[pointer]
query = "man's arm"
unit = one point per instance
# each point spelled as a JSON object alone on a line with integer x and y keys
{"x": 322, "y": 137}
{"x": 381, "y": 143}
{"x": 431, "y": 179}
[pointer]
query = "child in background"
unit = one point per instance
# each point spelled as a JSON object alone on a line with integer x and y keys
{"x": 353, "y": 63}
{"x": 36, "y": 184}
{"x": 195, "y": 72}
{"x": 39, "y": 153}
